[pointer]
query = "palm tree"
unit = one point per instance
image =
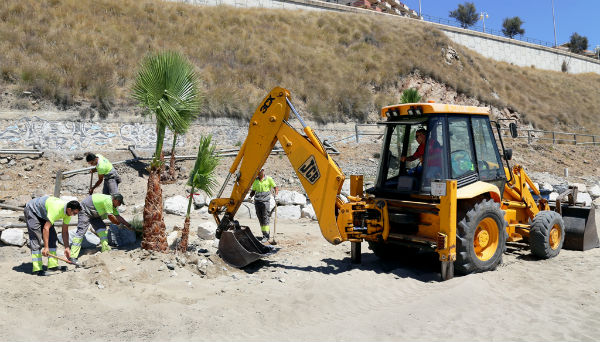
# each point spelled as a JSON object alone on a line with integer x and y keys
{"x": 167, "y": 87}
{"x": 202, "y": 178}
{"x": 410, "y": 95}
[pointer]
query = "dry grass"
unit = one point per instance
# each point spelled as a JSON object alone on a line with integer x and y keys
{"x": 338, "y": 66}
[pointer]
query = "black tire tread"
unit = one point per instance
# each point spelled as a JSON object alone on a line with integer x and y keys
{"x": 465, "y": 229}
{"x": 539, "y": 240}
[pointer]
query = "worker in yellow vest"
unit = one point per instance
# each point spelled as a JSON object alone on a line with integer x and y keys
{"x": 261, "y": 191}
{"x": 106, "y": 173}
{"x": 40, "y": 215}
{"x": 94, "y": 209}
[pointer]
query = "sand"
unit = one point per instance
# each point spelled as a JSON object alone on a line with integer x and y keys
{"x": 309, "y": 290}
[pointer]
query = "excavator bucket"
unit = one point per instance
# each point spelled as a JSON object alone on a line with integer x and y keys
{"x": 238, "y": 247}
{"x": 580, "y": 228}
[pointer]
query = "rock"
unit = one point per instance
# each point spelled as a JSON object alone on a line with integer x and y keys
{"x": 553, "y": 196}
{"x": 547, "y": 186}
{"x": 5, "y": 178}
{"x": 580, "y": 187}
{"x": 120, "y": 237}
{"x": 176, "y": 205}
{"x": 597, "y": 202}
{"x": 89, "y": 239}
{"x": 246, "y": 210}
{"x": 28, "y": 167}
{"x": 285, "y": 197}
{"x": 206, "y": 230}
{"x": 585, "y": 198}
{"x": 594, "y": 191}
{"x": 122, "y": 208}
{"x": 68, "y": 199}
{"x": 13, "y": 236}
{"x": 138, "y": 208}
{"x": 199, "y": 201}
{"x": 173, "y": 238}
{"x": 309, "y": 212}
{"x": 346, "y": 186}
{"x": 4, "y": 160}
{"x": 203, "y": 210}
{"x": 291, "y": 212}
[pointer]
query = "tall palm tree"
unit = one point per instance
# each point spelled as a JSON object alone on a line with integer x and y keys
{"x": 167, "y": 86}
{"x": 202, "y": 178}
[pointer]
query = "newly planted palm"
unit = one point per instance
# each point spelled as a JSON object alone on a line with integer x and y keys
{"x": 202, "y": 177}
{"x": 167, "y": 87}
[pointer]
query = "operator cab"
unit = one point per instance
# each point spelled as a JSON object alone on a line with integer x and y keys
{"x": 458, "y": 143}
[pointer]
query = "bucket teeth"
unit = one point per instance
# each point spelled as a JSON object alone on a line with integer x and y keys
{"x": 238, "y": 247}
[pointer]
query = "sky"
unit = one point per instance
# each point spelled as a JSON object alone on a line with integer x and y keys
{"x": 579, "y": 16}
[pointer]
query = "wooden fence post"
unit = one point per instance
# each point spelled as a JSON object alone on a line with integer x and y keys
{"x": 553, "y": 138}
{"x": 575, "y": 138}
{"x": 58, "y": 183}
{"x": 529, "y": 136}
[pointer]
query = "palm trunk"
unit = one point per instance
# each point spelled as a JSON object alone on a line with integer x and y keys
{"x": 172, "y": 162}
{"x": 154, "y": 237}
{"x": 183, "y": 244}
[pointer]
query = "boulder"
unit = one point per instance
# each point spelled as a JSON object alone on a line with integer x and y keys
{"x": 173, "y": 239}
{"x": 547, "y": 186}
{"x": 13, "y": 236}
{"x": 89, "y": 239}
{"x": 206, "y": 230}
{"x": 290, "y": 212}
{"x": 199, "y": 201}
{"x": 596, "y": 202}
{"x": 585, "y": 198}
{"x": 203, "y": 210}
{"x": 246, "y": 210}
{"x": 553, "y": 196}
{"x": 346, "y": 186}
{"x": 309, "y": 212}
{"x": 594, "y": 191}
{"x": 122, "y": 208}
{"x": 286, "y": 197}
{"x": 120, "y": 237}
{"x": 176, "y": 205}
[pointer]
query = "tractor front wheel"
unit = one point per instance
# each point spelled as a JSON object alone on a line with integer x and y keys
{"x": 547, "y": 234}
{"x": 480, "y": 238}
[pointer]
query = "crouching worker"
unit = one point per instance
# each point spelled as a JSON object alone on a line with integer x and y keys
{"x": 40, "y": 214}
{"x": 94, "y": 209}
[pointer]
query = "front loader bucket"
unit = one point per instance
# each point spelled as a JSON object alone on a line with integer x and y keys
{"x": 580, "y": 228}
{"x": 238, "y": 247}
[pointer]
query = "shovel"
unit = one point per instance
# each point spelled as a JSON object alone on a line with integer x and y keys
{"x": 273, "y": 242}
{"x": 65, "y": 260}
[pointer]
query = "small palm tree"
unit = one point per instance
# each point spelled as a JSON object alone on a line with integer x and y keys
{"x": 188, "y": 117}
{"x": 202, "y": 177}
{"x": 410, "y": 95}
{"x": 167, "y": 87}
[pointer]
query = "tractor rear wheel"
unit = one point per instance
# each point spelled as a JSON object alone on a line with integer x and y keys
{"x": 480, "y": 238}
{"x": 547, "y": 234}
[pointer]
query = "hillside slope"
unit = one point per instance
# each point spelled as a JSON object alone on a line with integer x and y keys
{"x": 84, "y": 54}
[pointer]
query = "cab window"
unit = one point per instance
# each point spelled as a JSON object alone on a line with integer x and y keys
{"x": 488, "y": 159}
{"x": 461, "y": 152}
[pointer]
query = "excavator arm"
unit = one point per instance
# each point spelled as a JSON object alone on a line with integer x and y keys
{"x": 320, "y": 176}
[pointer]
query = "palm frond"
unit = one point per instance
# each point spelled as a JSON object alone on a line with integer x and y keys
{"x": 410, "y": 96}
{"x": 202, "y": 176}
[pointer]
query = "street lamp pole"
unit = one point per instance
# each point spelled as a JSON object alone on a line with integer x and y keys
{"x": 420, "y": 8}
{"x": 554, "y": 21}
{"x": 483, "y": 16}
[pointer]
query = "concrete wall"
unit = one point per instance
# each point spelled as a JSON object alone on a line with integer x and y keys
{"x": 495, "y": 47}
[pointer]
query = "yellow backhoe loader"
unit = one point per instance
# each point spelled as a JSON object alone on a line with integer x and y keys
{"x": 451, "y": 190}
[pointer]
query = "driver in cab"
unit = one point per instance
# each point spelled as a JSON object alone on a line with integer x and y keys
{"x": 420, "y": 136}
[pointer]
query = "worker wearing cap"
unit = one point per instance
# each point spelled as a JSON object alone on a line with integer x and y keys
{"x": 40, "y": 215}
{"x": 106, "y": 173}
{"x": 261, "y": 190}
{"x": 94, "y": 209}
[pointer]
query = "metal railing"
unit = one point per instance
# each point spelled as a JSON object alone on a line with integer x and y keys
{"x": 555, "y": 137}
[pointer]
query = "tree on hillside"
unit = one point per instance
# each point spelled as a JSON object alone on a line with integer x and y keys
{"x": 166, "y": 86}
{"x": 465, "y": 14}
{"x": 201, "y": 178}
{"x": 410, "y": 95}
{"x": 512, "y": 27}
{"x": 577, "y": 43}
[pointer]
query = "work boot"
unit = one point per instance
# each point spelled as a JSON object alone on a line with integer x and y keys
{"x": 40, "y": 273}
{"x": 57, "y": 269}
{"x": 73, "y": 260}
{"x": 265, "y": 238}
